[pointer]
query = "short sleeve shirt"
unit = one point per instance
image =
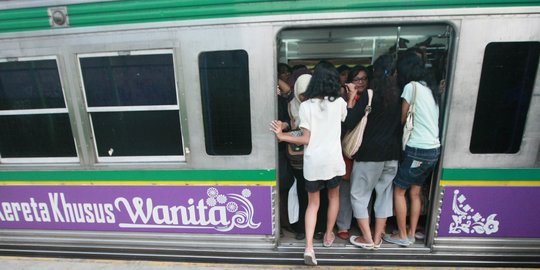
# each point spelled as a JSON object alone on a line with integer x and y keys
{"x": 425, "y": 134}
{"x": 323, "y": 158}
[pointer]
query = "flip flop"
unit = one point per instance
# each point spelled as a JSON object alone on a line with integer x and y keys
{"x": 309, "y": 257}
{"x": 327, "y": 242}
{"x": 360, "y": 244}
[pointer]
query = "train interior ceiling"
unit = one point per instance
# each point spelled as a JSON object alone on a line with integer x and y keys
{"x": 362, "y": 45}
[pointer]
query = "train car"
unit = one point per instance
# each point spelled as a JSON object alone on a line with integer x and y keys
{"x": 140, "y": 129}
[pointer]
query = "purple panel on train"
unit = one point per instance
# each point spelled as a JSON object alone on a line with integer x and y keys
{"x": 178, "y": 209}
{"x": 490, "y": 211}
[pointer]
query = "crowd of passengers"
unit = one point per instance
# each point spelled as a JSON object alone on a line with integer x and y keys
{"x": 316, "y": 109}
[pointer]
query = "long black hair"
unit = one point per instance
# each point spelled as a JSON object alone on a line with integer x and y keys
{"x": 384, "y": 83}
{"x": 411, "y": 67}
{"x": 324, "y": 82}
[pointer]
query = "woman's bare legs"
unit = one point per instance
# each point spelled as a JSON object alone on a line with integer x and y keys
{"x": 380, "y": 225}
{"x": 363, "y": 224}
{"x": 416, "y": 206}
{"x": 400, "y": 208}
{"x": 311, "y": 217}
{"x": 333, "y": 209}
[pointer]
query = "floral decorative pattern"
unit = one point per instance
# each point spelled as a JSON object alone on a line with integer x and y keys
{"x": 466, "y": 220}
{"x": 222, "y": 198}
{"x": 239, "y": 205}
{"x": 212, "y": 192}
{"x": 211, "y": 201}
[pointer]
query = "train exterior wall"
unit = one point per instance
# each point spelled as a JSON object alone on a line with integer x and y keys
{"x": 226, "y": 200}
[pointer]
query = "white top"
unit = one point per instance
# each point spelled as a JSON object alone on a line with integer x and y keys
{"x": 322, "y": 156}
{"x": 425, "y": 134}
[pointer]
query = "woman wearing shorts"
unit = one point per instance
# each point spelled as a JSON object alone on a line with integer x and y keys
{"x": 421, "y": 151}
{"x": 320, "y": 120}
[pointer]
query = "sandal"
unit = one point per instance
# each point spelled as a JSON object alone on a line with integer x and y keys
{"x": 360, "y": 244}
{"x": 327, "y": 242}
{"x": 377, "y": 246}
{"x": 344, "y": 235}
{"x": 309, "y": 257}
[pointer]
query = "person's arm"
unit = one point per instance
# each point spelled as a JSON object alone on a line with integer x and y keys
{"x": 276, "y": 127}
{"x": 407, "y": 96}
{"x": 355, "y": 114}
{"x": 351, "y": 94}
{"x": 404, "y": 111}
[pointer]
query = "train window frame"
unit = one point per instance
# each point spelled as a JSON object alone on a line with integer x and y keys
{"x": 134, "y": 109}
{"x": 43, "y": 111}
{"x": 239, "y": 143}
{"x": 489, "y": 109}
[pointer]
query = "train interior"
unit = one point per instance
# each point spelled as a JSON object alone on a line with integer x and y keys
{"x": 361, "y": 45}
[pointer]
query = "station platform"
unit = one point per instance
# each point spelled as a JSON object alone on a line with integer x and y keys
{"x": 39, "y": 263}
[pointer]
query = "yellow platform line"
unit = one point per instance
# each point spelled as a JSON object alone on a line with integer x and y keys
{"x": 488, "y": 183}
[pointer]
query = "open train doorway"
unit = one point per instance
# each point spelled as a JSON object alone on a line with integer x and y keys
{"x": 299, "y": 50}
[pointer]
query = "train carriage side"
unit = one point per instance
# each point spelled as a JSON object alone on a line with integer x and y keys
{"x": 490, "y": 166}
{"x": 124, "y": 140}
{"x": 147, "y": 135}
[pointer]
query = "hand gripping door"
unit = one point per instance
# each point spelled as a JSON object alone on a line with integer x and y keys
{"x": 353, "y": 139}
{"x": 409, "y": 123}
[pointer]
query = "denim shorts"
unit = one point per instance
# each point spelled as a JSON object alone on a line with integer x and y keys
{"x": 314, "y": 186}
{"x": 416, "y": 166}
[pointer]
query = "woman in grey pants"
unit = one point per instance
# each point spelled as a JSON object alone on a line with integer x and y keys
{"x": 375, "y": 163}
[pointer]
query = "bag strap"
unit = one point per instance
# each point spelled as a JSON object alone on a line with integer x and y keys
{"x": 367, "y": 110}
{"x": 368, "y": 106}
{"x": 413, "y": 103}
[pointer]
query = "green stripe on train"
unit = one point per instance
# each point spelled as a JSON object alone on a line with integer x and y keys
{"x": 517, "y": 174}
{"x": 140, "y": 175}
{"x": 138, "y": 11}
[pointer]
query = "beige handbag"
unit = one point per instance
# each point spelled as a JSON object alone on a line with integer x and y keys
{"x": 409, "y": 123}
{"x": 353, "y": 139}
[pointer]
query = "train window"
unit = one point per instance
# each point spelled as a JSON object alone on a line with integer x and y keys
{"x": 34, "y": 120}
{"x": 133, "y": 107}
{"x": 504, "y": 96}
{"x": 129, "y": 80}
{"x": 226, "y": 103}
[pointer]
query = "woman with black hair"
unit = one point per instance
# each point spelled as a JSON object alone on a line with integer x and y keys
{"x": 358, "y": 76}
{"x": 320, "y": 120}
{"x": 375, "y": 163}
{"x": 422, "y": 150}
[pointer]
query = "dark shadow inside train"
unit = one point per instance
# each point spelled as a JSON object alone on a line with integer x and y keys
{"x": 362, "y": 45}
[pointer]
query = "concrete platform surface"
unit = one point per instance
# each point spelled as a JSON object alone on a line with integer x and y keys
{"x": 38, "y": 263}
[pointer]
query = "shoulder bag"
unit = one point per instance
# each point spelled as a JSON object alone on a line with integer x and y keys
{"x": 295, "y": 152}
{"x": 409, "y": 123}
{"x": 353, "y": 139}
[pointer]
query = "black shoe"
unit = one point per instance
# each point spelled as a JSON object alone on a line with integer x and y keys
{"x": 319, "y": 235}
{"x": 300, "y": 236}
